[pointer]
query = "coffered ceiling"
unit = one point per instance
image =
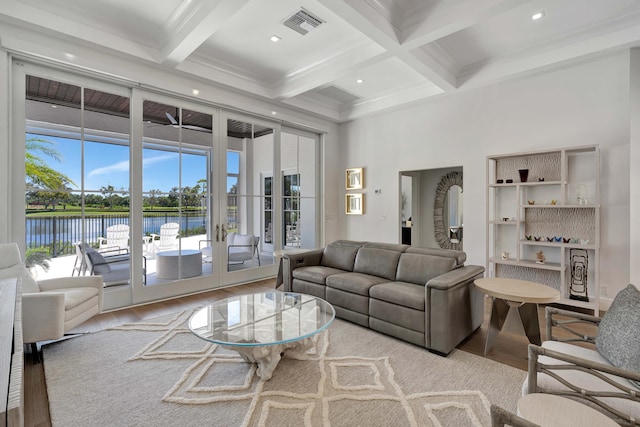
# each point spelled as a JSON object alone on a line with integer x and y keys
{"x": 357, "y": 57}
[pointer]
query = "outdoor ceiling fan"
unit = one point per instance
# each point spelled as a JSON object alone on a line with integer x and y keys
{"x": 175, "y": 124}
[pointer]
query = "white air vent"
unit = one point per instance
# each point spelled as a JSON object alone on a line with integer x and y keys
{"x": 302, "y": 21}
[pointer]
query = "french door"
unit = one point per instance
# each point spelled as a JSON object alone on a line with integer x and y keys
{"x": 176, "y": 186}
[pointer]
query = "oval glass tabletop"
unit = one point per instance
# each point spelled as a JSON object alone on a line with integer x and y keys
{"x": 261, "y": 319}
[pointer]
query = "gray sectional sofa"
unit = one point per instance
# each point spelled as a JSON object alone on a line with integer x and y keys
{"x": 423, "y": 296}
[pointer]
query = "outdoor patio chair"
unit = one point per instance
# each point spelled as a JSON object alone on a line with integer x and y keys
{"x": 168, "y": 237}
{"x": 241, "y": 248}
{"x": 114, "y": 269}
{"x": 117, "y": 239}
{"x": 50, "y": 308}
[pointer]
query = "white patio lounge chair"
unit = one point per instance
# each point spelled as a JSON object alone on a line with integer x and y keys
{"x": 168, "y": 237}
{"x": 117, "y": 239}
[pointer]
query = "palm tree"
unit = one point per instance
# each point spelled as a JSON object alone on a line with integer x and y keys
{"x": 37, "y": 170}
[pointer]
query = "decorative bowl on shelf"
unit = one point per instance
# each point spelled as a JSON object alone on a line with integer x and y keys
{"x": 531, "y": 202}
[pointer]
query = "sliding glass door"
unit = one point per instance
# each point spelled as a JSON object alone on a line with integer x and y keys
{"x": 169, "y": 195}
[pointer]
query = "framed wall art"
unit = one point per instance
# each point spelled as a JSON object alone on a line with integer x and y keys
{"x": 354, "y": 204}
{"x": 354, "y": 179}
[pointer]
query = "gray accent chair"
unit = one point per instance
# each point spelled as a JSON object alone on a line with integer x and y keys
{"x": 592, "y": 372}
{"x": 423, "y": 296}
{"x": 114, "y": 269}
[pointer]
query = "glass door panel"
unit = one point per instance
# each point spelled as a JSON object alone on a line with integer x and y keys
{"x": 299, "y": 165}
{"x": 177, "y": 161}
{"x": 77, "y": 179}
{"x": 250, "y": 148}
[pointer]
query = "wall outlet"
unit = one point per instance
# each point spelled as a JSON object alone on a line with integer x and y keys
{"x": 604, "y": 290}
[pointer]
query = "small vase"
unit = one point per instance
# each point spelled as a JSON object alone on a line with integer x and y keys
{"x": 524, "y": 174}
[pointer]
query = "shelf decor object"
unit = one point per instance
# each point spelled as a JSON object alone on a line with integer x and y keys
{"x": 354, "y": 204}
{"x": 553, "y": 231}
{"x": 354, "y": 179}
{"x": 578, "y": 289}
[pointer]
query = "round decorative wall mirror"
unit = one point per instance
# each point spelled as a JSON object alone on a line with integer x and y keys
{"x": 447, "y": 212}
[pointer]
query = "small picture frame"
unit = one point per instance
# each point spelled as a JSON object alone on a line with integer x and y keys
{"x": 354, "y": 179}
{"x": 354, "y": 204}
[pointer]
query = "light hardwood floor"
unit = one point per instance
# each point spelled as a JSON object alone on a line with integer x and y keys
{"x": 510, "y": 347}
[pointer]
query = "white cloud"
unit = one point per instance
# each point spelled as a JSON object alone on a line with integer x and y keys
{"x": 116, "y": 167}
{"x": 123, "y": 166}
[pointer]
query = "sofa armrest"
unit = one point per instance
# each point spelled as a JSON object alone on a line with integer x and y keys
{"x": 70, "y": 282}
{"x": 601, "y": 373}
{"x": 586, "y": 324}
{"x": 454, "y": 308}
{"x": 453, "y": 277}
{"x": 42, "y": 316}
{"x": 292, "y": 261}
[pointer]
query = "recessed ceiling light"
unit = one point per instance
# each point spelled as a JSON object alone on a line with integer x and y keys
{"x": 275, "y": 38}
{"x": 195, "y": 91}
{"x": 69, "y": 55}
{"x": 359, "y": 81}
{"x": 537, "y": 15}
{"x": 54, "y": 106}
{"x": 274, "y": 113}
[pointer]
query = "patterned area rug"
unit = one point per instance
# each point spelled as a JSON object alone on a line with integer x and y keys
{"x": 157, "y": 372}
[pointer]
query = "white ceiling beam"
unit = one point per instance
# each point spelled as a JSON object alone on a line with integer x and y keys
{"x": 197, "y": 23}
{"x": 370, "y": 23}
{"x": 463, "y": 14}
{"x": 549, "y": 56}
{"x": 337, "y": 67}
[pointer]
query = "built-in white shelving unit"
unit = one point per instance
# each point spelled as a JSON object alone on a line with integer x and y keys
{"x": 556, "y": 211}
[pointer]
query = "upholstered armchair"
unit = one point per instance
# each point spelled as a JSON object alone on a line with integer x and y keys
{"x": 51, "y": 307}
{"x": 603, "y": 368}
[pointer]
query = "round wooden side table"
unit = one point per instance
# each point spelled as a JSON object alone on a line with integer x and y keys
{"x": 514, "y": 293}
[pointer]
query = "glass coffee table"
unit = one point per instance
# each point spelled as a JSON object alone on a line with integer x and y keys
{"x": 265, "y": 326}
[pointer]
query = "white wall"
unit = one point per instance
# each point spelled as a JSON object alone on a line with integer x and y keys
{"x": 581, "y": 104}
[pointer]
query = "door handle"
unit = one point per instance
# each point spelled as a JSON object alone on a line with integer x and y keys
{"x": 217, "y": 232}
{"x": 224, "y": 234}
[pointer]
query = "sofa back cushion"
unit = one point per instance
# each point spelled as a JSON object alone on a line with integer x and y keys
{"x": 340, "y": 254}
{"x": 388, "y": 246}
{"x": 420, "y": 268}
{"x": 459, "y": 256}
{"x": 377, "y": 262}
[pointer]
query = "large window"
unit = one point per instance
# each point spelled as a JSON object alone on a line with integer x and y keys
{"x": 77, "y": 176}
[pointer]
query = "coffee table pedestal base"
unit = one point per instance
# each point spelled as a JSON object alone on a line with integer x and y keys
{"x": 267, "y": 357}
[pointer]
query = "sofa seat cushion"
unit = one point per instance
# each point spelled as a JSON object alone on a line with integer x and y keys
{"x": 355, "y": 283}
{"x": 315, "y": 273}
{"x": 400, "y": 293}
{"x": 405, "y": 317}
{"x": 583, "y": 380}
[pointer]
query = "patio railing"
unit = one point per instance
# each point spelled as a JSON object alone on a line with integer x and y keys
{"x": 59, "y": 233}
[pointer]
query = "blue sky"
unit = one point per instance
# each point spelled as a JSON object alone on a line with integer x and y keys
{"x": 108, "y": 164}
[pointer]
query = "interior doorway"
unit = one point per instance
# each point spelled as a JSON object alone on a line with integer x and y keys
{"x": 418, "y": 210}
